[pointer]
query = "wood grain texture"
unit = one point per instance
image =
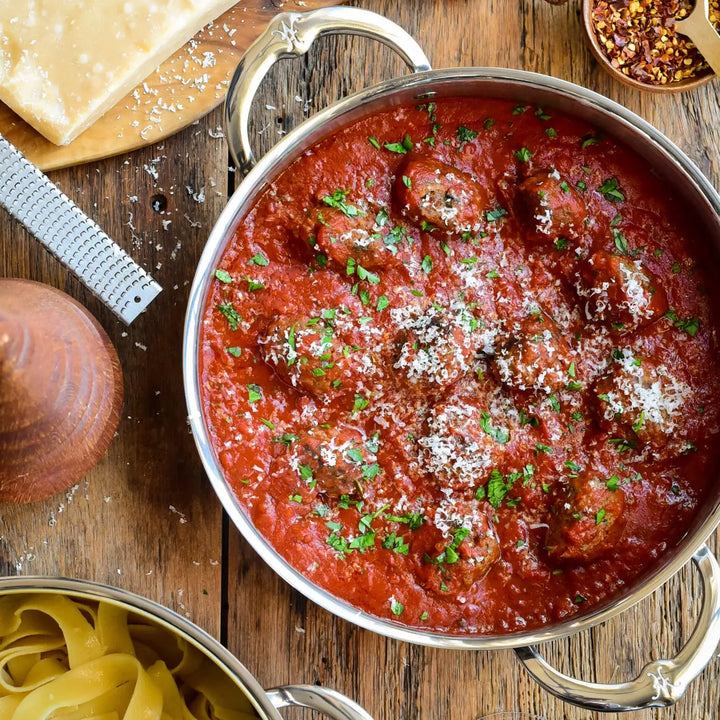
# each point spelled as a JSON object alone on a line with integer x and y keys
{"x": 120, "y": 518}
{"x": 287, "y": 639}
{"x": 144, "y": 519}
{"x": 183, "y": 89}
{"x": 61, "y": 391}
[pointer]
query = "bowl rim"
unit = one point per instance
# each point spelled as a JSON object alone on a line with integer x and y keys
{"x": 149, "y": 609}
{"x": 604, "y": 61}
{"x": 424, "y": 85}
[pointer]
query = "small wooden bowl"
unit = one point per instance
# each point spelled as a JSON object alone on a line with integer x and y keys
{"x": 602, "y": 58}
{"x": 61, "y": 390}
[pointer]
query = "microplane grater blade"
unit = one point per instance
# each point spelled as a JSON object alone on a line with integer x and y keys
{"x": 72, "y": 237}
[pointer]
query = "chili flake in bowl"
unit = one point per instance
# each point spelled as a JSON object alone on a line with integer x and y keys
{"x": 636, "y": 41}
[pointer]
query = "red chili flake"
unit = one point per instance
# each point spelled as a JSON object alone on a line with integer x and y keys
{"x": 639, "y": 38}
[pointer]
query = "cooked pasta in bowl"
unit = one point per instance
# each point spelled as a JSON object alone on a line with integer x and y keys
{"x": 75, "y": 650}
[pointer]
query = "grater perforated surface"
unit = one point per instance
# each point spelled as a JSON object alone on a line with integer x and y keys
{"x": 76, "y": 240}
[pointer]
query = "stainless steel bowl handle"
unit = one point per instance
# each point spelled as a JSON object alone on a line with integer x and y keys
{"x": 661, "y": 682}
{"x": 291, "y": 35}
{"x": 330, "y": 702}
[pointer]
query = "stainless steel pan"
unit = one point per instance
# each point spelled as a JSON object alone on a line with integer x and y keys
{"x": 661, "y": 682}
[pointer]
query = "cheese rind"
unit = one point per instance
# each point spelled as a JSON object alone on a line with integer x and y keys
{"x": 63, "y": 64}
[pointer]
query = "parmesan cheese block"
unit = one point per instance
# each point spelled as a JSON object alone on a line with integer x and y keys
{"x": 63, "y": 63}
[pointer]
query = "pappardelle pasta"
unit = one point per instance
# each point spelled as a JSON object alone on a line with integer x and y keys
{"x": 64, "y": 658}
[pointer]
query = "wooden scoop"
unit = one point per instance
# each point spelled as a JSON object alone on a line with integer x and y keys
{"x": 61, "y": 391}
{"x": 701, "y": 31}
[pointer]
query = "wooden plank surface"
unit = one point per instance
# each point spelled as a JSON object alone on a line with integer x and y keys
{"x": 147, "y": 520}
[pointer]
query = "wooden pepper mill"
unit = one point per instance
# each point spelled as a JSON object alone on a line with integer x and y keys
{"x": 61, "y": 391}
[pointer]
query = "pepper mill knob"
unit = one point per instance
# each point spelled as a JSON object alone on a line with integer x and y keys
{"x": 61, "y": 391}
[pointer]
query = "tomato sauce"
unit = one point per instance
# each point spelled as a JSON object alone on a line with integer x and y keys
{"x": 459, "y": 364}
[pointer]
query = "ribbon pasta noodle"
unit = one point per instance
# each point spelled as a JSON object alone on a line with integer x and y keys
{"x": 71, "y": 659}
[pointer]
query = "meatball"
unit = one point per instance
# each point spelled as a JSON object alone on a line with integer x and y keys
{"x": 340, "y": 237}
{"x": 467, "y": 550}
{"x": 535, "y": 357}
{"x": 461, "y": 443}
{"x": 305, "y": 352}
{"x": 434, "y": 346}
{"x": 439, "y": 195}
{"x": 639, "y": 398}
{"x": 588, "y": 520}
{"x": 332, "y": 460}
{"x": 620, "y": 292}
{"x": 550, "y": 207}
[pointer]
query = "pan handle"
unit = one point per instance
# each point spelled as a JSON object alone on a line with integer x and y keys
{"x": 291, "y": 35}
{"x": 330, "y": 702}
{"x": 661, "y": 682}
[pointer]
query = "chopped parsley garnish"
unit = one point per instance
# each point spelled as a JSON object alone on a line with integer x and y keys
{"x": 610, "y": 190}
{"x": 402, "y": 147}
{"x": 572, "y": 465}
{"x": 492, "y": 274}
{"x": 540, "y": 448}
{"x": 267, "y": 423}
{"x": 295, "y": 498}
{"x": 374, "y": 142}
{"x": 254, "y": 393}
{"x": 234, "y": 351}
{"x": 382, "y": 303}
{"x": 579, "y": 599}
{"x": 688, "y": 325}
{"x": 286, "y": 439}
{"x": 589, "y": 140}
{"x": 488, "y": 123}
{"x": 427, "y": 264}
{"x": 622, "y": 445}
{"x": 599, "y": 516}
{"x": 498, "y": 487}
{"x": 519, "y": 110}
{"x": 561, "y": 243}
{"x": 231, "y": 314}
{"x": 621, "y": 244}
{"x": 259, "y": 260}
{"x": 526, "y": 419}
{"x": 360, "y": 403}
{"x": 496, "y": 214}
{"x": 499, "y": 435}
{"x": 337, "y": 200}
{"x": 223, "y": 276}
{"x": 639, "y": 423}
{"x": 612, "y": 482}
{"x": 412, "y": 520}
{"x": 407, "y": 182}
{"x": 396, "y": 607}
{"x": 523, "y": 154}
{"x": 465, "y": 135}
{"x": 253, "y": 285}
{"x": 551, "y": 132}
{"x": 396, "y": 543}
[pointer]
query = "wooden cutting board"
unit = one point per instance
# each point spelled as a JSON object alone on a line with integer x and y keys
{"x": 184, "y": 88}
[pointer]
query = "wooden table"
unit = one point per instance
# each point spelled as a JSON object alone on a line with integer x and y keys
{"x": 146, "y": 518}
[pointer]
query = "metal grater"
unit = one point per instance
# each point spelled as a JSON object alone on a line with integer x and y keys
{"x": 72, "y": 236}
